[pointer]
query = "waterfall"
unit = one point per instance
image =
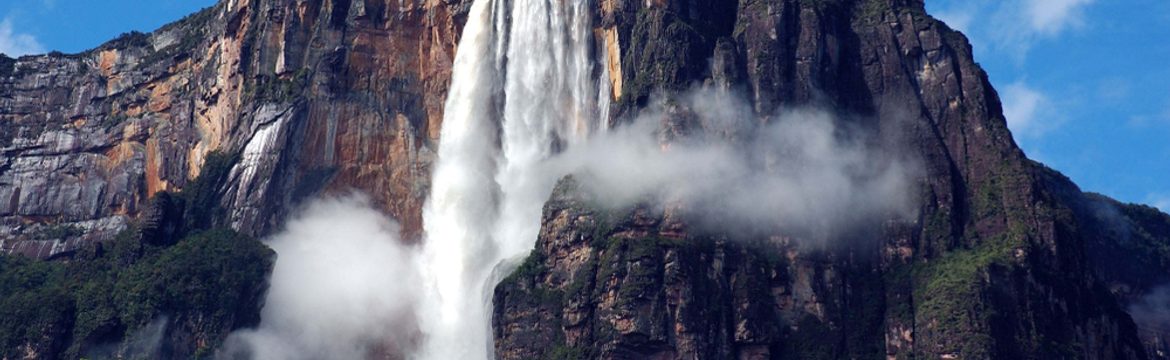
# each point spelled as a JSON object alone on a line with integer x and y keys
{"x": 523, "y": 86}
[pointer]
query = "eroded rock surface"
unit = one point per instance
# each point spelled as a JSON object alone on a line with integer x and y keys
{"x": 1006, "y": 258}
{"x": 1002, "y": 261}
{"x": 314, "y": 95}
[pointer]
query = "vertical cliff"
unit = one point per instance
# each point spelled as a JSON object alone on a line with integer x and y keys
{"x": 313, "y": 95}
{"x": 1002, "y": 261}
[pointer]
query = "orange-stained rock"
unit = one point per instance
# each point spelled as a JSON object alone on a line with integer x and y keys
{"x": 320, "y": 99}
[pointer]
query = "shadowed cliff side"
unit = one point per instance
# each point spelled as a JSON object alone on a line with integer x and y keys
{"x": 1001, "y": 262}
{"x": 1006, "y": 258}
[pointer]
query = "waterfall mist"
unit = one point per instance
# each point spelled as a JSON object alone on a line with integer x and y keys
{"x": 344, "y": 287}
{"x": 526, "y": 107}
{"x": 801, "y": 171}
{"x": 1151, "y": 312}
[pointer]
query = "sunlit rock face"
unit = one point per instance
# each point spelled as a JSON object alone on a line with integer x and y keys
{"x": 1003, "y": 257}
{"x": 314, "y": 96}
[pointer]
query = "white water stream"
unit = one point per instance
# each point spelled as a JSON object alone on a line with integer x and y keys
{"x": 523, "y": 85}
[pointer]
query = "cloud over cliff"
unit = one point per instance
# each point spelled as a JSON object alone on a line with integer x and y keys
{"x": 344, "y": 287}
{"x": 804, "y": 170}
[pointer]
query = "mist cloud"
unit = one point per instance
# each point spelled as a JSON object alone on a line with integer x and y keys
{"x": 1013, "y": 26}
{"x": 15, "y": 44}
{"x": 1152, "y": 311}
{"x": 344, "y": 287}
{"x": 1026, "y": 109}
{"x": 799, "y": 170}
{"x": 1052, "y": 16}
{"x": 1160, "y": 201}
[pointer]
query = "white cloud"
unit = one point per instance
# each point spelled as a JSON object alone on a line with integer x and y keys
{"x": 1148, "y": 121}
{"x": 1152, "y": 310}
{"x": 1012, "y": 26}
{"x": 1052, "y": 16}
{"x": 344, "y": 287}
{"x": 1160, "y": 201}
{"x": 1114, "y": 90}
{"x": 1017, "y": 25}
{"x": 958, "y": 19}
{"x": 800, "y": 172}
{"x": 1159, "y": 119}
{"x": 17, "y": 44}
{"x": 1028, "y": 111}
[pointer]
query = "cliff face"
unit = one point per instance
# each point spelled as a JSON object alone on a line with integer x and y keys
{"x": 314, "y": 95}
{"x": 1006, "y": 259}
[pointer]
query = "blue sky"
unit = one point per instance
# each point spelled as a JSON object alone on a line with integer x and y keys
{"x": 1086, "y": 83}
{"x": 70, "y": 26}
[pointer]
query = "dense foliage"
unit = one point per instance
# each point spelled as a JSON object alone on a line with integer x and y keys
{"x": 210, "y": 282}
{"x": 147, "y": 293}
{"x": 201, "y": 197}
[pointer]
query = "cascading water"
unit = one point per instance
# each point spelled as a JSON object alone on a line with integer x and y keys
{"x": 522, "y": 84}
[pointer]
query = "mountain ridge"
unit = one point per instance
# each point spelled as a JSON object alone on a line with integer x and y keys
{"x": 320, "y": 97}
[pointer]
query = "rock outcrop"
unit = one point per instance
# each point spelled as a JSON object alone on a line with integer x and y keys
{"x": 313, "y": 95}
{"x": 1006, "y": 258}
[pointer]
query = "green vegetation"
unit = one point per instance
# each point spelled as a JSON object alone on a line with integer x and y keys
{"x": 524, "y": 285}
{"x": 532, "y": 267}
{"x": 811, "y": 340}
{"x": 562, "y": 352}
{"x": 530, "y": 273}
{"x": 603, "y": 226}
{"x": 638, "y": 263}
{"x": 823, "y": 6}
{"x": 193, "y": 27}
{"x": 642, "y": 259}
{"x": 582, "y": 285}
{"x": 205, "y": 282}
{"x": 130, "y": 39}
{"x": 58, "y": 232}
{"x": 939, "y": 228}
{"x": 864, "y": 313}
{"x": 1148, "y": 238}
{"x": 949, "y": 294}
{"x": 214, "y": 273}
{"x": 114, "y": 119}
{"x": 870, "y": 11}
{"x": 202, "y": 194}
{"x": 899, "y": 283}
{"x": 988, "y": 201}
{"x": 215, "y": 278}
{"x": 187, "y": 42}
{"x": 278, "y": 88}
{"x": 7, "y": 66}
{"x": 32, "y": 303}
{"x": 1137, "y": 233}
{"x": 197, "y": 20}
{"x": 667, "y": 43}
